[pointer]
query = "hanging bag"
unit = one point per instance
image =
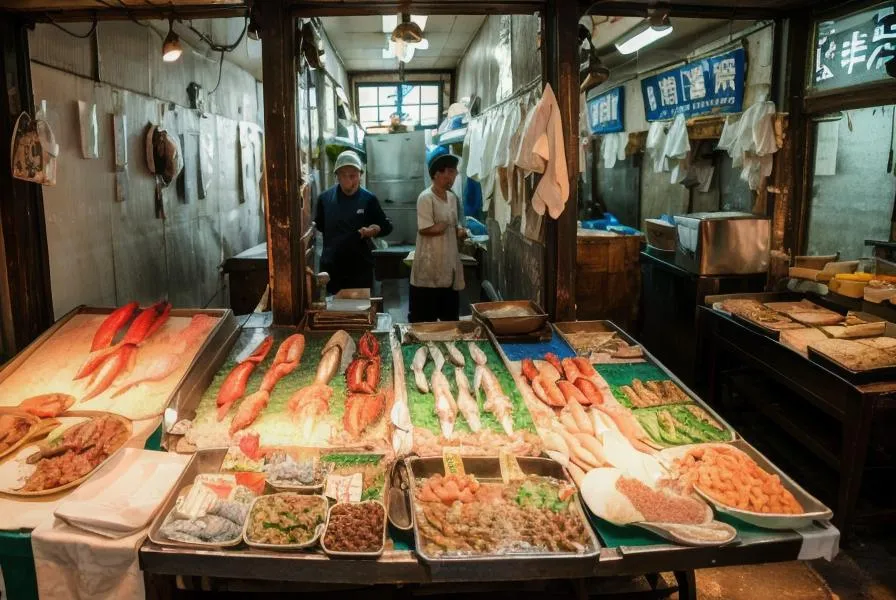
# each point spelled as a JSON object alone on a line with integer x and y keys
{"x": 33, "y": 151}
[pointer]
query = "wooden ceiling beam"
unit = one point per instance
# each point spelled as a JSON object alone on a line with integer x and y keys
{"x": 352, "y": 9}
{"x": 685, "y": 11}
{"x": 141, "y": 14}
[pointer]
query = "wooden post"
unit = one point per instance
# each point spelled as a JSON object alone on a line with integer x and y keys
{"x": 26, "y": 303}
{"x": 562, "y": 72}
{"x": 284, "y": 209}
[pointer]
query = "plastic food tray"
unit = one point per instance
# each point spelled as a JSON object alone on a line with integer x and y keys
{"x": 283, "y": 547}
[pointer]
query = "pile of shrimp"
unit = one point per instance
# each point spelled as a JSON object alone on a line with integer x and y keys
{"x": 732, "y": 478}
{"x": 449, "y": 489}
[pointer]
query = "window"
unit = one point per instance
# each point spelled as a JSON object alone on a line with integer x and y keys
{"x": 853, "y": 185}
{"x": 419, "y": 105}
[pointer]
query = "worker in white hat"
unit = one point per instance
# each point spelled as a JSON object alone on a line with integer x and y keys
{"x": 349, "y": 216}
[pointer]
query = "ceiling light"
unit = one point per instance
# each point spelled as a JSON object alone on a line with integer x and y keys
{"x": 641, "y": 36}
{"x": 659, "y": 19}
{"x": 390, "y": 22}
{"x": 171, "y": 48}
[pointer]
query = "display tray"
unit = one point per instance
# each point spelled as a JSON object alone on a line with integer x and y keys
{"x": 441, "y": 331}
{"x": 815, "y": 510}
{"x": 348, "y": 555}
{"x": 535, "y": 319}
{"x": 857, "y": 377}
{"x": 283, "y": 547}
{"x": 564, "y": 328}
{"x": 146, "y": 400}
{"x": 489, "y": 469}
{"x": 30, "y": 449}
{"x": 203, "y": 461}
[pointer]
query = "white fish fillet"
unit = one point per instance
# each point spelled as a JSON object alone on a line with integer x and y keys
{"x": 455, "y": 355}
{"x": 496, "y": 402}
{"x": 437, "y": 357}
{"x": 445, "y": 406}
{"x": 420, "y": 381}
{"x": 420, "y": 357}
{"x": 467, "y": 404}
{"x": 477, "y": 354}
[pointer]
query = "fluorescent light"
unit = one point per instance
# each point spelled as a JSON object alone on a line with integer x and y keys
{"x": 643, "y": 35}
{"x": 390, "y": 22}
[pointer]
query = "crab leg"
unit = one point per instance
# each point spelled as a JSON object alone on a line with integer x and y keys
{"x": 289, "y": 354}
{"x": 234, "y": 385}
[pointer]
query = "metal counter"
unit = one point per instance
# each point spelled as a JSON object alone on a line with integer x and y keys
{"x": 624, "y": 552}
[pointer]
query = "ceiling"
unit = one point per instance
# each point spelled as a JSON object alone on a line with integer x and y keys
{"x": 360, "y": 41}
{"x": 33, "y": 5}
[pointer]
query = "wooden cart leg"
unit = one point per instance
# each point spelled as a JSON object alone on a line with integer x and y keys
{"x": 856, "y": 434}
{"x": 687, "y": 585}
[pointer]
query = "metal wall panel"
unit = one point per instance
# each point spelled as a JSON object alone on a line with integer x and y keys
{"x": 103, "y": 252}
{"x": 126, "y": 52}
{"x": 78, "y": 209}
{"x": 50, "y": 46}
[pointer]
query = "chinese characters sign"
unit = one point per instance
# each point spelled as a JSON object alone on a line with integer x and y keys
{"x": 854, "y": 49}
{"x": 714, "y": 84}
{"x": 605, "y": 112}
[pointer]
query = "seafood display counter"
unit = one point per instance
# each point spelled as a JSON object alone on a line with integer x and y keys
{"x": 446, "y": 429}
{"x": 796, "y": 342}
{"x": 95, "y": 382}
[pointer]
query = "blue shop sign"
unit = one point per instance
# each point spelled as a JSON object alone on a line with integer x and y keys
{"x": 606, "y": 110}
{"x": 714, "y": 84}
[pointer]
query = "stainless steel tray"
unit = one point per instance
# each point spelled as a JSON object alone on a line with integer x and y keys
{"x": 338, "y": 554}
{"x": 441, "y": 331}
{"x": 224, "y": 329}
{"x": 203, "y": 461}
{"x": 566, "y": 327}
{"x": 511, "y": 326}
{"x": 815, "y": 509}
{"x": 488, "y": 468}
{"x": 283, "y": 547}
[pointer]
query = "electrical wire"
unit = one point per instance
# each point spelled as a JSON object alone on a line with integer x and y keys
{"x": 218, "y": 47}
{"x": 220, "y": 70}
{"x": 71, "y": 33}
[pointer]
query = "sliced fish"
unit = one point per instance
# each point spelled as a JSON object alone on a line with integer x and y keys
{"x": 420, "y": 357}
{"x": 455, "y": 355}
{"x": 477, "y": 354}
{"x": 420, "y": 381}
{"x": 437, "y": 357}
{"x": 496, "y": 401}
{"x": 445, "y": 406}
{"x": 466, "y": 403}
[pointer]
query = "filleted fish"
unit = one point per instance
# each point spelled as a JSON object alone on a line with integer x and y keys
{"x": 445, "y": 406}
{"x": 496, "y": 401}
{"x": 466, "y": 403}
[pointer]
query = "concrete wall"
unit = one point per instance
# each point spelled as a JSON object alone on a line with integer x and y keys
{"x": 657, "y": 194}
{"x": 104, "y": 252}
{"x": 856, "y": 202}
{"x": 503, "y": 57}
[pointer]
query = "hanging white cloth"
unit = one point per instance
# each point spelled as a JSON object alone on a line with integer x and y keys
{"x": 475, "y": 133}
{"x": 542, "y": 151}
{"x": 677, "y": 149}
{"x": 751, "y": 142}
{"x": 655, "y": 145}
{"x": 612, "y": 148}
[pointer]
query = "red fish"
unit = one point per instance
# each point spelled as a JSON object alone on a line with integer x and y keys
{"x": 147, "y": 323}
{"x": 234, "y": 385}
{"x": 368, "y": 345}
{"x": 571, "y": 392}
{"x": 288, "y": 356}
{"x": 110, "y": 326}
{"x": 554, "y": 360}
{"x": 361, "y": 411}
{"x": 111, "y": 369}
{"x": 529, "y": 370}
{"x": 356, "y": 376}
{"x": 585, "y": 367}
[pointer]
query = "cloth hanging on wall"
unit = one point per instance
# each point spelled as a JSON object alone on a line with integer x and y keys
{"x": 655, "y": 144}
{"x": 542, "y": 151}
{"x": 751, "y": 142}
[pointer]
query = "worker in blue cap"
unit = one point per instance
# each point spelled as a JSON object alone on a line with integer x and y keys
{"x": 349, "y": 217}
{"x": 437, "y": 275}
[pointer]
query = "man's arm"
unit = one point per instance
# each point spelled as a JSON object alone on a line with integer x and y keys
{"x": 376, "y": 217}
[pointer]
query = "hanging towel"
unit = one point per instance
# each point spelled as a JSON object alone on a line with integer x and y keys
{"x": 656, "y": 145}
{"x": 542, "y": 151}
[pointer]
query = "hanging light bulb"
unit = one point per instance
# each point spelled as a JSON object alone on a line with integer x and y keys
{"x": 171, "y": 48}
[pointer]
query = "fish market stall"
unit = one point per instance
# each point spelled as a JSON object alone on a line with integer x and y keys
{"x": 79, "y": 397}
{"x": 639, "y": 476}
{"x": 823, "y": 355}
